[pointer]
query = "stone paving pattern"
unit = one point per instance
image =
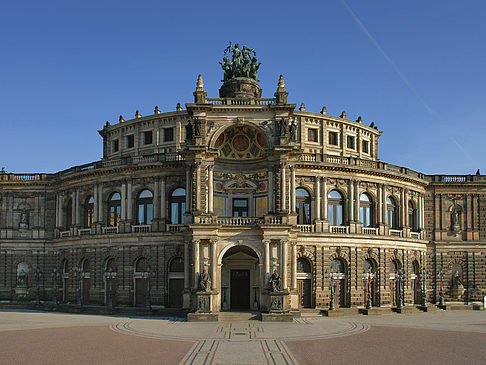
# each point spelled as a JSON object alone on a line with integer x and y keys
{"x": 29, "y": 337}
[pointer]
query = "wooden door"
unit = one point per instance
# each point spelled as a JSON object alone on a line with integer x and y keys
{"x": 176, "y": 288}
{"x": 113, "y": 291}
{"x": 339, "y": 293}
{"x": 304, "y": 288}
{"x": 240, "y": 289}
{"x": 394, "y": 292}
{"x": 140, "y": 292}
{"x": 417, "y": 292}
{"x": 373, "y": 293}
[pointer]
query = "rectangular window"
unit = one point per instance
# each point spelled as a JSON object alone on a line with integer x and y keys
{"x": 147, "y": 137}
{"x": 115, "y": 146}
{"x": 350, "y": 143}
{"x": 168, "y": 134}
{"x": 366, "y": 147}
{"x": 333, "y": 138}
{"x": 313, "y": 135}
{"x": 240, "y": 207}
{"x": 130, "y": 141}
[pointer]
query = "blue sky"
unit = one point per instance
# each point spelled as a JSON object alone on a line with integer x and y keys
{"x": 416, "y": 69}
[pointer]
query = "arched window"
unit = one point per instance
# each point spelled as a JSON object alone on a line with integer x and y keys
{"x": 303, "y": 266}
{"x": 412, "y": 216}
{"x": 177, "y": 206}
{"x": 145, "y": 207}
{"x": 366, "y": 210}
{"x": 391, "y": 213}
{"x": 89, "y": 212}
{"x": 65, "y": 267}
{"x": 395, "y": 266}
{"x": 337, "y": 266}
{"x": 110, "y": 265}
{"x": 69, "y": 214}
{"x": 141, "y": 265}
{"x": 303, "y": 204}
{"x": 335, "y": 208}
{"x": 369, "y": 267}
{"x": 84, "y": 266}
{"x": 176, "y": 265}
{"x": 114, "y": 208}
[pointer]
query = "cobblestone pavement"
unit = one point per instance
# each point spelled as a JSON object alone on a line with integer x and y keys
{"x": 29, "y": 337}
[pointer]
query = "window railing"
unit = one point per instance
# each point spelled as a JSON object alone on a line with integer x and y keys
{"x": 415, "y": 235}
{"x": 239, "y": 221}
{"x": 64, "y": 234}
{"x": 109, "y": 230}
{"x": 84, "y": 231}
{"x": 141, "y": 228}
{"x": 370, "y": 230}
{"x": 306, "y": 228}
{"x": 396, "y": 233}
{"x": 339, "y": 229}
{"x": 174, "y": 227}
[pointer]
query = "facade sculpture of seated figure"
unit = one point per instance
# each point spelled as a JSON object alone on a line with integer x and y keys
{"x": 204, "y": 282}
{"x": 22, "y": 278}
{"x": 274, "y": 282}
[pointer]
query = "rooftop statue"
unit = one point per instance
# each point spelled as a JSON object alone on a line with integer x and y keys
{"x": 242, "y": 64}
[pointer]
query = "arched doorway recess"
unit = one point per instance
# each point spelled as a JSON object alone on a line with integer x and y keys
{"x": 240, "y": 279}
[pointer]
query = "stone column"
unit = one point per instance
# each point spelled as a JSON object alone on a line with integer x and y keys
{"x": 356, "y": 201}
{"x": 156, "y": 205}
{"x": 188, "y": 188}
{"x": 100, "y": 204}
{"x": 270, "y": 190}
{"x": 402, "y": 208}
{"x": 318, "y": 197}
{"x": 123, "y": 202}
{"x": 196, "y": 263}
{"x": 129, "y": 202}
{"x": 294, "y": 265}
{"x": 198, "y": 186}
{"x": 266, "y": 244}
{"x": 383, "y": 207}
{"x": 78, "y": 209}
{"x": 324, "y": 188}
{"x": 187, "y": 274}
{"x": 95, "y": 204}
{"x": 351, "y": 201}
{"x": 73, "y": 209}
{"x": 214, "y": 264}
{"x": 422, "y": 225}
{"x": 283, "y": 262}
{"x": 292, "y": 190}
{"x": 379, "y": 210}
{"x": 163, "y": 198}
{"x": 210, "y": 189}
{"x": 58, "y": 210}
{"x": 283, "y": 200}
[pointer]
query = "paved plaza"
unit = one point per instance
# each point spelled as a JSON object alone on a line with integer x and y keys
{"x": 453, "y": 337}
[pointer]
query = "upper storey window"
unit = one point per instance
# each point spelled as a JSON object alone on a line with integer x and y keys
{"x": 130, "y": 141}
{"x": 177, "y": 206}
{"x": 365, "y": 210}
{"x": 303, "y": 203}
{"x": 412, "y": 216}
{"x": 168, "y": 134}
{"x": 351, "y": 142}
{"x": 335, "y": 208}
{"x": 313, "y": 135}
{"x": 240, "y": 207}
{"x": 114, "y": 208}
{"x": 89, "y": 212}
{"x": 241, "y": 142}
{"x": 115, "y": 146}
{"x": 391, "y": 213}
{"x": 144, "y": 207}
{"x": 366, "y": 147}
{"x": 147, "y": 137}
{"x": 333, "y": 138}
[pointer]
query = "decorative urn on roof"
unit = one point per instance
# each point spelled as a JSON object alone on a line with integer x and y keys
{"x": 240, "y": 73}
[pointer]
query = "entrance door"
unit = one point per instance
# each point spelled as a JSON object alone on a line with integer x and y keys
{"x": 304, "y": 288}
{"x": 85, "y": 290}
{"x": 339, "y": 293}
{"x": 140, "y": 292}
{"x": 240, "y": 289}
{"x": 176, "y": 287}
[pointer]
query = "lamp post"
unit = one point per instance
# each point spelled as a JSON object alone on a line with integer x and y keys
{"x": 37, "y": 277}
{"x": 331, "y": 298}
{"x": 78, "y": 277}
{"x": 55, "y": 278}
{"x": 441, "y": 292}
{"x": 370, "y": 276}
{"x": 424, "y": 293}
{"x": 109, "y": 276}
{"x": 400, "y": 275}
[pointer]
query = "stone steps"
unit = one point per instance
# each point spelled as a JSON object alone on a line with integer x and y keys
{"x": 238, "y": 316}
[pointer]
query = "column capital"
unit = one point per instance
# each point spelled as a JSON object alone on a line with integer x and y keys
{"x": 266, "y": 241}
{"x": 196, "y": 242}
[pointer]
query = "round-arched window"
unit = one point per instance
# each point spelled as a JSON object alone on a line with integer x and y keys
{"x": 303, "y": 206}
{"x": 365, "y": 210}
{"x": 177, "y": 206}
{"x": 391, "y": 213}
{"x": 303, "y": 266}
{"x": 337, "y": 266}
{"x": 335, "y": 203}
{"x": 145, "y": 207}
{"x": 114, "y": 209}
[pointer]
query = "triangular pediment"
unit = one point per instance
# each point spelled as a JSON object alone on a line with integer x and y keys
{"x": 240, "y": 256}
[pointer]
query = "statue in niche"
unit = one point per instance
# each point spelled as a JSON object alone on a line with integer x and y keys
{"x": 282, "y": 128}
{"x": 292, "y": 129}
{"x": 22, "y": 279}
{"x": 204, "y": 281}
{"x": 189, "y": 131}
{"x": 274, "y": 282}
{"x": 24, "y": 219}
{"x": 456, "y": 211}
{"x": 197, "y": 127}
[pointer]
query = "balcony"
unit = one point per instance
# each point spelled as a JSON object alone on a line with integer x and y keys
{"x": 306, "y": 228}
{"x": 339, "y": 229}
{"x": 109, "y": 230}
{"x": 240, "y": 221}
{"x": 142, "y": 228}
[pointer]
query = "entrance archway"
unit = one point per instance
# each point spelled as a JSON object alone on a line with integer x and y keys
{"x": 240, "y": 279}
